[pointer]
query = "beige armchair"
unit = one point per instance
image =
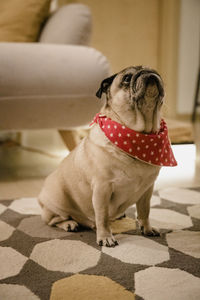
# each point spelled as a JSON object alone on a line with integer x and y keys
{"x": 52, "y": 83}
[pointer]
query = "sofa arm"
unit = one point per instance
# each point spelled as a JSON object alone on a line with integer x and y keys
{"x": 70, "y": 24}
{"x": 46, "y": 86}
{"x": 38, "y": 69}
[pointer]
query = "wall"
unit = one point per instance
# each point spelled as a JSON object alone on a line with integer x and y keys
{"x": 126, "y": 31}
{"x": 168, "y": 52}
{"x": 189, "y": 51}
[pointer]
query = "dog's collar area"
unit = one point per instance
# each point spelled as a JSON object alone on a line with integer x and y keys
{"x": 154, "y": 149}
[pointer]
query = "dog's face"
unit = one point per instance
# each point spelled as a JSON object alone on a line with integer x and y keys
{"x": 134, "y": 96}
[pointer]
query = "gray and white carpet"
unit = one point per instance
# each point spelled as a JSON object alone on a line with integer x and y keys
{"x": 39, "y": 262}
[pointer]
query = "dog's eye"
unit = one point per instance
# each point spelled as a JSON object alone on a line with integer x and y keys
{"x": 127, "y": 78}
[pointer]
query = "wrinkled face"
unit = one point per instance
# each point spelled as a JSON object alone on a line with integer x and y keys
{"x": 137, "y": 93}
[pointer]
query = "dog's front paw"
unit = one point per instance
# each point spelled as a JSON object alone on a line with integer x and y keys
{"x": 149, "y": 231}
{"x": 108, "y": 241}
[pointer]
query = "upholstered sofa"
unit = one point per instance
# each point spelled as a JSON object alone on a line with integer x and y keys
{"x": 52, "y": 83}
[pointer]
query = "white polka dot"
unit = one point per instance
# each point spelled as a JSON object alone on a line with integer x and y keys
{"x": 137, "y": 134}
{"x": 159, "y": 136}
{"x": 116, "y": 143}
{"x": 130, "y": 150}
{"x": 156, "y": 158}
{"x": 138, "y": 148}
{"x": 161, "y": 155}
{"x": 160, "y": 150}
{"x": 144, "y": 155}
{"x": 111, "y": 134}
{"x": 128, "y": 134}
{"x": 147, "y": 146}
{"x": 125, "y": 143}
{"x": 150, "y": 161}
{"x": 155, "y": 144}
{"x": 103, "y": 126}
{"x": 151, "y": 140}
{"x": 165, "y": 151}
{"x": 162, "y": 141}
{"x": 119, "y": 134}
{"x": 133, "y": 141}
{"x": 142, "y": 141}
{"x": 166, "y": 160}
{"x": 108, "y": 126}
{"x": 115, "y": 126}
{"x": 123, "y": 127}
{"x": 152, "y": 153}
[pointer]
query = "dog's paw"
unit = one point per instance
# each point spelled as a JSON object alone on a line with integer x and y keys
{"x": 108, "y": 241}
{"x": 149, "y": 231}
{"x": 69, "y": 225}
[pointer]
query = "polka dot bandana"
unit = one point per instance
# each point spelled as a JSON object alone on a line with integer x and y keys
{"x": 152, "y": 148}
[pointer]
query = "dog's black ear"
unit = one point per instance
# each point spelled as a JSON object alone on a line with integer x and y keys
{"x": 105, "y": 85}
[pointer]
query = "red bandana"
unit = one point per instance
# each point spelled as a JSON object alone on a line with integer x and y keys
{"x": 154, "y": 149}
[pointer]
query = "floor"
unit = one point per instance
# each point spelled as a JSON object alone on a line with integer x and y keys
{"x": 22, "y": 170}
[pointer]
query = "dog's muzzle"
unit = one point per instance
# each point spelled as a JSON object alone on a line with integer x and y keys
{"x": 147, "y": 84}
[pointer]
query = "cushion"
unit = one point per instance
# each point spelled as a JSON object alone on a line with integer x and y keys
{"x": 21, "y": 20}
{"x": 70, "y": 24}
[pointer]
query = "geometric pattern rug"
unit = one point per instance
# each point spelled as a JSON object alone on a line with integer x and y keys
{"x": 42, "y": 262}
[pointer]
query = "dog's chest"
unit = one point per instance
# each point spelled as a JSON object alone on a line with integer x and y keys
{"x": 131, "y": 182}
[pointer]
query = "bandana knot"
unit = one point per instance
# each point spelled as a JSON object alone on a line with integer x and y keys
{"x": 154, "y": 148}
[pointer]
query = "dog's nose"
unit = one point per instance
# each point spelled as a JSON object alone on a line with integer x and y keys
{"x": 152, "y": 90}
{"x": 152, "y": 79}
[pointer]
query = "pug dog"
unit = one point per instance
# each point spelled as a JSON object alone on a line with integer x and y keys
{"x": 98, "y": 181}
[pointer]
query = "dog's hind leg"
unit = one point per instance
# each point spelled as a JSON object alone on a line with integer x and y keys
{"x": 68, "y": 225}
{"x": 52, "y": 219}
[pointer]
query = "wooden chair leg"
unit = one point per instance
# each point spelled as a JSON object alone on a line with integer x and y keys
{"x": 72, "y": 138}
{"x": 196, "y": 102}
{"x": 69, "y": 138}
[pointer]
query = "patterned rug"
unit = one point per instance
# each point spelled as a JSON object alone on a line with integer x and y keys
{"x": 39, "y": 262}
